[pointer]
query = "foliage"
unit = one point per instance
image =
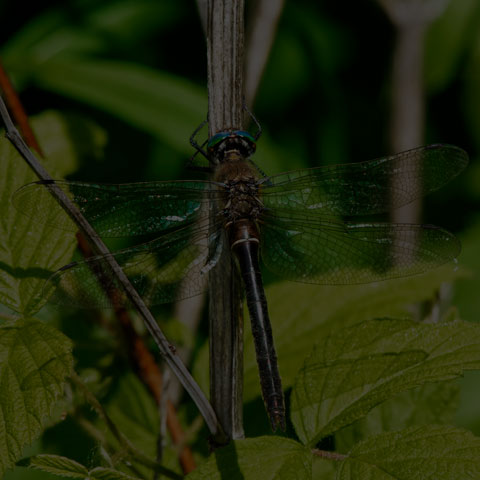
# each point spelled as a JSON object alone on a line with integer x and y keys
{"x": 34, "y": 360}
{"x": 371, "y": 392}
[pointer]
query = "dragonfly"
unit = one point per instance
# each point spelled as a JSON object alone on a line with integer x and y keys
{"x": 300, "y": 224}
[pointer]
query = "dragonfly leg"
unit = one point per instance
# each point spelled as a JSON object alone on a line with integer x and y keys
{"x": 254, "y": 118}
{"x": 194, "y": 143}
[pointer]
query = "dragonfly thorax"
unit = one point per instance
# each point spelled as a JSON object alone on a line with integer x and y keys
{"x": 241, "y": 201}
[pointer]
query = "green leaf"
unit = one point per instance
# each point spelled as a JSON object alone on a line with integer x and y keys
{"x": 429, "y": 404}
{"x": 323, "y": 469}
{"x": 65, "y": 467}
{"x": 446, "y": 42}
{"x": 266, "y": 458}
{"x": 135, "y": 413}
{"x": 34, "y": 361}
{"x": 361, "y": 366}
{"x": 161, "y": 104}
{"x": 133, "y": 410}
{"x": 465, "y": 294}
{"x": 101, "y": 473}
{"x": 56, "y": 464}
{"x": 434, "y": 452}
{"x": 132, "y": 20}
{"x": 299, "y": 313}
{"x": 30, "y": 251}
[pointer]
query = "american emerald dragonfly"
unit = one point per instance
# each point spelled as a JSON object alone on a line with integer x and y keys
{"x": 298, "y": 223}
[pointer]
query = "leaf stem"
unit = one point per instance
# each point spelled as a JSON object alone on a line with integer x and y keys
{"x": 329, "y": 455}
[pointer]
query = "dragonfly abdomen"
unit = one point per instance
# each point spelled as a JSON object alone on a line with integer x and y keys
{"x": 244, "y": 242}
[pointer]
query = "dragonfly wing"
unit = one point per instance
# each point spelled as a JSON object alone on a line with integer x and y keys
{"x": 169, "y": 268}
{"x": 334, "y": 253}
{"x": 368, "y": 187}
{"x": 119, "y": 210}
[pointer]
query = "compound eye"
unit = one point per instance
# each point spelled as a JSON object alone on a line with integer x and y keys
{"x": 246, "y": 136}
{"x": 217, "y": 139}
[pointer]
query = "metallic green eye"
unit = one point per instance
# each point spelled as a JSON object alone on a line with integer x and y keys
{"x": 248, "y": 136}
{"x": 220, "y": 137}
{"x": 217, "y": 138}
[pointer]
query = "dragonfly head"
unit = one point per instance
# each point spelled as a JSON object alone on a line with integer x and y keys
{"x": 223, "y": 142}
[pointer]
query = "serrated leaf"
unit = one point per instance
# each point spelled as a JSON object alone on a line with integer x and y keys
{"x": 161, "y": 104}
{"x": 57, "y": 465}
{"x": 66, "y": 467}
{"x": 299, "y": 313}
{"x": 267, "y": 458}
{"x": 358, "y": 367}
{"x": 434, "y": 403}
{"x": 434, "y": 452}
{"x": 34, "y": 361}
{"x": 31, "y": 251}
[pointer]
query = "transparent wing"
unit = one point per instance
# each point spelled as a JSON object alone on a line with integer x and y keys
{"x": 327, "y": 252}
{"x": 120, "y": 210}
{"x": 368, "y": 187}
{"x": 171, "y": 267}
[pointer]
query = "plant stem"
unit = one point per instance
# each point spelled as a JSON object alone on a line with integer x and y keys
{"x": 225, "y": 37}
{"x": 329, "y": 455}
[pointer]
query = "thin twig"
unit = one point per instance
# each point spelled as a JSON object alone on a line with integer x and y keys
{"x": 151, "y": 376}
{"x": 119, "y": 436}
{"x": 109, "y": 451}
{"x": 99, "y": 248}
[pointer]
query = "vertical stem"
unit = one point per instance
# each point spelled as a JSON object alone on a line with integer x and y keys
{"x": 408, "y": 104}
{"x": 411, "y": 19}
{"x": 225, "y": 37}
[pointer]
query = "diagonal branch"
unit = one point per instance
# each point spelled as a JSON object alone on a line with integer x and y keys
{"x": 143, "y": 360}
{"x": 100, "y": 248}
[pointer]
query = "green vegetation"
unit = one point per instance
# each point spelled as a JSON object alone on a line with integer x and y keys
{"x": 113, "y": 91}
